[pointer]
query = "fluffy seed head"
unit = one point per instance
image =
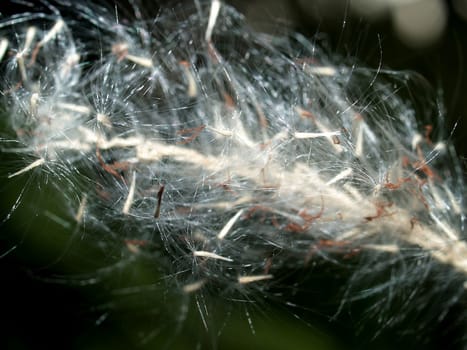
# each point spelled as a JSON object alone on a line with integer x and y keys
{"x": 237, "y": 155}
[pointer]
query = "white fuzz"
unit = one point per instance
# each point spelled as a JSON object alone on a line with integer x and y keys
{"x": 241, "y": 156}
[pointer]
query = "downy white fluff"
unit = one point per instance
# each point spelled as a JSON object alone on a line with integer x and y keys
{"x": 232, "y": 158}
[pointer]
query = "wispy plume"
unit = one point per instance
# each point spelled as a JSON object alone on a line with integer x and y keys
{"x": 241, "y": 156}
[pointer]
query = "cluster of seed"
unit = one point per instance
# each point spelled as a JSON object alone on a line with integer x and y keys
{"x": 228, "y": 155}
